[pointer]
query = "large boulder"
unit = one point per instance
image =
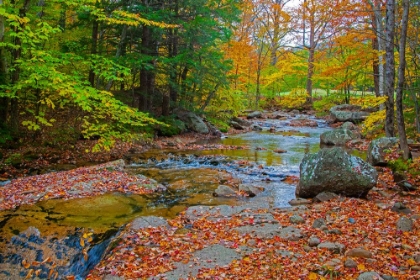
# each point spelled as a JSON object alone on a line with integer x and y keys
{"x": 377, "y": 150}
{"x": 333, "y": 170}
{"x": 348, "y": 113}
{"x": 192, "y": 121}
{"x": 338, "y": 136}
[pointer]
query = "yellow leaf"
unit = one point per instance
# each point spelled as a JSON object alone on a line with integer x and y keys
{"x": 361, "y": 267}
{"x": 411, "y": 262}
{"x": 82, "y": 242}
{"x": 87, "y": 234}
{"x": 313, "y": 276}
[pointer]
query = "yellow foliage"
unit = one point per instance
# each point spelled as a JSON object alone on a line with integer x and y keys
{"x": 373, "y": 122}
{"x": 368, "y": 101}
{"x": 295, "y": 99}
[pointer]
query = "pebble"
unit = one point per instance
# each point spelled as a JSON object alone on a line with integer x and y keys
{"x": 359, "y": 253}
{"x": 405, "y": 224}
{"x": 296, "y": 219}
{"x": 350, "y": 263}
{"x": 314, "y": 241}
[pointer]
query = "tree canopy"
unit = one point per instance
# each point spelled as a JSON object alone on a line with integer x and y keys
{"x": 110, "y": 69}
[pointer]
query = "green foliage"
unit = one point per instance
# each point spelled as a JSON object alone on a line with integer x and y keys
{"x": 14, "y": 159}
{"x": 170, "y": 126}
{"x": 400, "y": 164}
{"x": 325, "y": 103}
{"x": 4, "y": 135}
{"x": 226, "y": 103}
{"x": 223, "y": 126}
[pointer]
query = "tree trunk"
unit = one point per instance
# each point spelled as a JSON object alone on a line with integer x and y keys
{"x": 16, "y": 56}
{"x": 94, "y": 49}
{"x": 4, "y": 101}
{"x": 311, "y": 60}
{"x": 173, "y": 52}
{"x": 120, "y": 51}
{"x": 144, "y": 72}
{"x": 390, "y": 67}
{"x": 401, "y": 81}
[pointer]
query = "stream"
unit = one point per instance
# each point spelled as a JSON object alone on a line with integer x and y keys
{"x": 191, "y": 178}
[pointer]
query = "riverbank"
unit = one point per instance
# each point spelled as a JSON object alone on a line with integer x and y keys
{"x": 343, "y": 238}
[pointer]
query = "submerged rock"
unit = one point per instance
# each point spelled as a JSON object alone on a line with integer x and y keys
{"x": 333, "y": 170}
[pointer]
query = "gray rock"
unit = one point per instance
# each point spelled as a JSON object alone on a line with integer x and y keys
{"x": 241, "y": 122}
{"x": 371, "y": 275}
{"x": 318, "y": 223}
{"x": 290, "y": 233}
{"x": 194, "y": 213}
{"x": 335, "y": 231}
{"x": 350, "y": 263}
{"x": 350, "y": 126}
{"x": 224, "y": 190}
{"x": 299, "y": 201}
{"x": 192, "y": 121}
{"x": 325, "y": 196}
{"x": 256, "y": 127}
{"x": 254, "y": 115}
{"x": 236, "y": 125}
{"x": 210, "y": 257}
{"x": 258, "y": 218}
{"x": 333, "y": 263}
{"x": 405, "y": 224}
{"x": 314, "y": 241}
{"x": 250, "y": 189}
{"x": 338, "y": 136}
{"x": 388, "y": 277}
{"x": 296, "y": 219}
{"x": 336, "y": 248}
{"x": 400, "y": 207}
{"x": 347, "y": 112}
{"x": 265, "y": 230}
{"x": 333, "y": 170}
{"x": 377, "y": 150}
{"x": 359, "y": 253}
{"x": 148, "y": 221}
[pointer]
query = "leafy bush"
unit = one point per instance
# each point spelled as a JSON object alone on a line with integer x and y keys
{"x": 220, "y": 124}
{"x": 173, "y": 126}
{"x": 294, "y": 100}
{"x": 373, "y": 125}
{"x": 325, "y": 103}
{"x": 369, "y": 101}
{"x": 4, "y": 135}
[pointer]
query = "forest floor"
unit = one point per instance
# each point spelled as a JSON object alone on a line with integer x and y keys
{"x": 342, "y": 238}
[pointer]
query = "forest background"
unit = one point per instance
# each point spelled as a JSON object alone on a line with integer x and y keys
{"x": 117, "y": 70}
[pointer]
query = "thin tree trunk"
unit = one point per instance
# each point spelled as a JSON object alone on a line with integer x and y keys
{"x": 4, "y": 101}
{"x": 401, "y": 81}
{"x": 311, "y": 60}
{"x": 390, "y": 68}
{"x": 16, "y": 56}
{"x": 94, "y": 49}
{"x": 173, "y": 43}
{"x": 143, "y": 72}
{"x": 120, "y": 51}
